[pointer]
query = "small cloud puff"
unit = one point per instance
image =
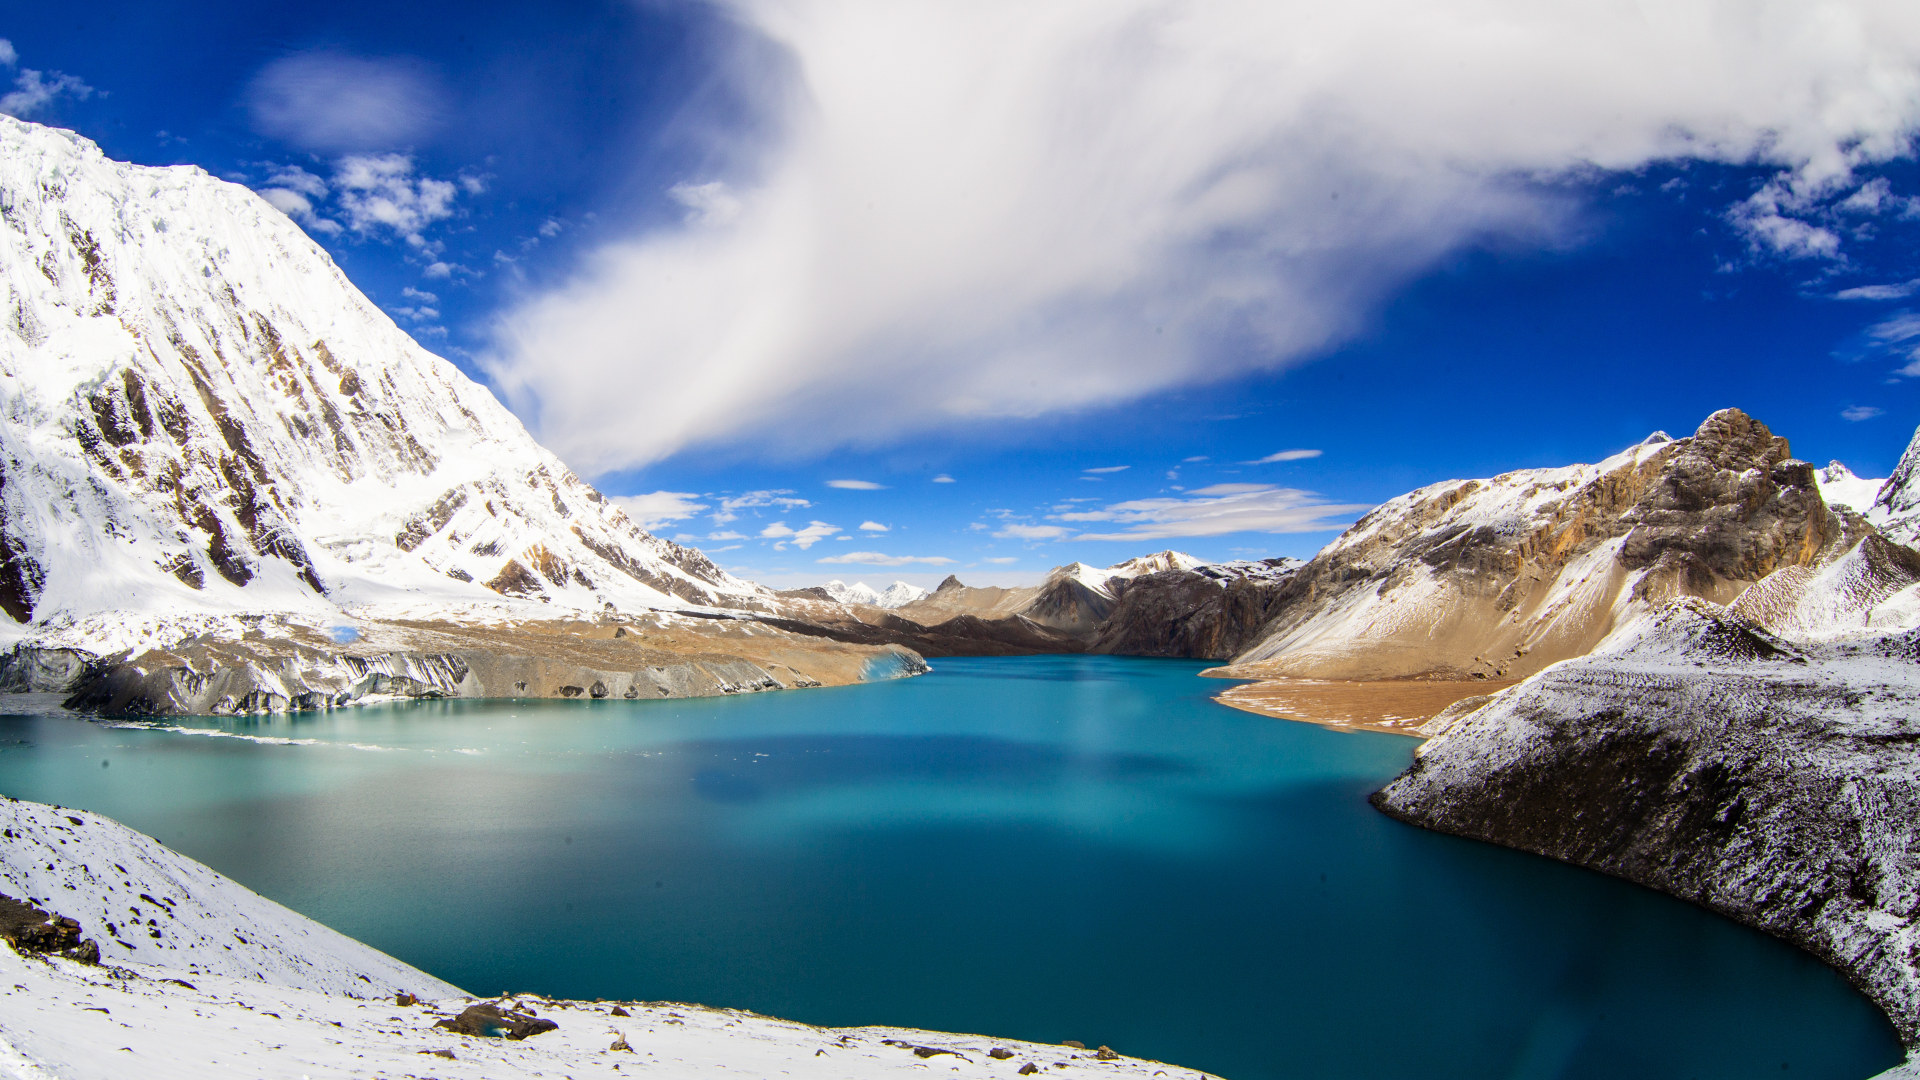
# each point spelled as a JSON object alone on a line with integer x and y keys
{"x": 800, "y": 538}
{"x": 856, "y": 485}
{"x": 1284, "y": 455}
{"x": 875, "y": 527}
{"x": 34, "y": 90}
{"x": 653, "y": 509}
{"x": 875, "y": 558}
{"x": 1861, "y": 412}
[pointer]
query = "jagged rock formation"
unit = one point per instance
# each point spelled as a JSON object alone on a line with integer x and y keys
{"x": 1771, "y": 780}
{"x": 1211, "y": 611}
{"x": 199, "y": 413}
{"x": 1501, "y": 577}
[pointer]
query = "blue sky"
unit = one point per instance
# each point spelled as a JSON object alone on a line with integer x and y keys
{"x": 891, "y": 291}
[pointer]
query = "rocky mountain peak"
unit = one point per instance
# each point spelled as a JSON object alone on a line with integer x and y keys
{"x": 1733, "y": 440}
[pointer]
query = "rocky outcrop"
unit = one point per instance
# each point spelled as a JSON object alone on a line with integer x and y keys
{"x": 1770, "y": 780}
{"x": 31, "y": 930}
{"x": 1210, "y": 612}
{"x": 1501, "y": 577}
{"x": 275, "y": 666}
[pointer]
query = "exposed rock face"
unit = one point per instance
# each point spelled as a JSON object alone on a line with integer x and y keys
{"x": 1770, "y": 780}
{"x": 199, "y": 413}
{"x": 279, "y": 666}
{"x": 1210, "y": 612}
{"x": 1502, "y": 577}
{"x": 29, "y": 929}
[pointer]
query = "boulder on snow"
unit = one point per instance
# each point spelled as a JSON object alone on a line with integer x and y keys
{"x": 490, "y": 1021}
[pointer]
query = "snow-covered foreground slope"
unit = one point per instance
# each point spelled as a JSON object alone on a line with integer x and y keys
{"x": 64, "y": 1021}
{"x": 153, "y": 909}
{"x": 201, "y": 979}
{"x": 200, "y": 413}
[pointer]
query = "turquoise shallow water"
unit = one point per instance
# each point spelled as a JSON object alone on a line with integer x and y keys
{"x": 1044, "y": 848}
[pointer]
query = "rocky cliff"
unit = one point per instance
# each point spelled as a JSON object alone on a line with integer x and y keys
{"x": 1768, "y": 779}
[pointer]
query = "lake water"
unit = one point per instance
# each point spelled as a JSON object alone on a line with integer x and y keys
{"x": 1046, "y": 848}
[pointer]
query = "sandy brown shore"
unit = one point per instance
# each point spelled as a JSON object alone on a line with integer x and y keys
{"x": 1395, "y": 706}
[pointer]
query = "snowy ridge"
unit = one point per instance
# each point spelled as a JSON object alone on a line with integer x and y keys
{"x": 1896, "y": 508}
{"x": 199, "y": 413}
{"x": 149, "y": 907}
{"x": 895, "y": 595}
{"x": 1840, "y": 487}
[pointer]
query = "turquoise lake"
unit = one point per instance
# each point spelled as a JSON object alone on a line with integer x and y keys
{"x": 1045, "y": 848}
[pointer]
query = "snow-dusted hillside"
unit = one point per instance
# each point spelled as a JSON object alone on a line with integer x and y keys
{"x": 1896, "y": 508}
{"x": 200, "y": 413}
{"x": 1769, "y": 779}
{"x": 151, "y": 908}
{"x": 1501, "y": 577}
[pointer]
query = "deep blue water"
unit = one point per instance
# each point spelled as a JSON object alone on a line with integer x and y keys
{"x": 1044, "y": 848}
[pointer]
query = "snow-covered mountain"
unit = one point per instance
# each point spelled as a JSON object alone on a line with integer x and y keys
{"x": 200, "y": 413}
{"x": 893, "y": 596}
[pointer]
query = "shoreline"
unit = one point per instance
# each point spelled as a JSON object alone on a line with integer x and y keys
{"x": 1387, "y": 706}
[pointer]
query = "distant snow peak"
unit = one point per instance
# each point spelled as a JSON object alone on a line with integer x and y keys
{"x": 199, "y": 413}
{"x": 1840, "y": 487}
{"x": 895, "y": 595}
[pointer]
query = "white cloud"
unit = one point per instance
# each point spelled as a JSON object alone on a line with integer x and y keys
{"x": 380, "y": 191}
{"x": 800, "y": 538}
{"x": 943, "y": 478}
{"x": 1861, "y": 412}
{"x": 1773, "y": 221}
{"x": 856, "y": 485}
{"x": 1902, "y": 327}
{"x": 1215, "y": 510}
{"x": 777, "y": 498}
{"x": 1001, "y": 560}
{"x": 875, "y": 558}
{"x": 975, "y": 210}
{"x": 1104, "y": 469}
{"x": 654, "y": 509}
{"x": 332, "y": 102}
{"x": 1192, "y": 460}
{"x": 34, "y": 90}
{"x": 1284, "y": 455}
{"x": 1880, "y": 292}
{"x": 1016, "y": 531}
{"x": 874, "y": 527}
